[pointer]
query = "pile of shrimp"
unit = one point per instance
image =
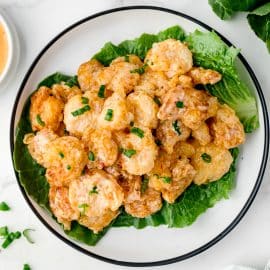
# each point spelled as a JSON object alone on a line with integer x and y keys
{"x": 132, "y": 135}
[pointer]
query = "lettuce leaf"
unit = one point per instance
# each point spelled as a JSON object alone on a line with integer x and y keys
{"x": 259, "y": 21}
{"x": 209, "y": 51}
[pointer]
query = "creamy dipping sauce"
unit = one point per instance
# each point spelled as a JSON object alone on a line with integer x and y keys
{"x": 3, "y": 48}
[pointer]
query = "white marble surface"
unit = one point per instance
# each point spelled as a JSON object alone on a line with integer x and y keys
{"x": 37, "y": 21}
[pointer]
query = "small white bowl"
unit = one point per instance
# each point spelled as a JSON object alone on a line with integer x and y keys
{"x": 13, "y": 50}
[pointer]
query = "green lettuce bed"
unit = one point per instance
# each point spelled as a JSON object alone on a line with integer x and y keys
{"x": 209, "y": 51}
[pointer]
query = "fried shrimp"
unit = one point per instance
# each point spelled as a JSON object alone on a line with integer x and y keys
{"x": 202, "y": 134}
{"x": 97, "y": 196}
{"x": 211, "y": 162}
{"x": 64, "y": 92}
{"x": 140, "y": 200}
{"x": 226, "y": 128}
{"x": 170, "y": 132}
{"x": 200, "y": 75}
{"x": 170, "y": 56}
{"x": 46, "y": 111}
{"x": 102, "y": 149}
{"x": 138, "y": 152}
{"x": 64, "y": 159}
{"x": 144, "y": 109}
{"x": 60, "y": 206}
{"x": 81, "y": 112}
{"x": 115, "y": 114}
{"x": 189, "y": 105}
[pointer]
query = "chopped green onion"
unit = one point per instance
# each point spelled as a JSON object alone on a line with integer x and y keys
{"x": 128, "y": 152}
{"x": 206, "y": 158}
{"x": 158, "y": 142}
{"x": 137, "y": 131}
{"x": 85, "y": 100}
{"x": 93, "y": 191}
{"x": 27, "y": 236}
{"x": 83, "y": 207}
{"x": 61, "y": 154}
{"x": 109, "y": 115}
{"x": 17, "y": 235}
{"x": 101, "y": 91}
{"x": 10, "y": 238}
{"x": 4, "y": 231}
{"x": 81, "y": 110}
{"x": 179, "y": 104}
{"x": 26, "y": 267}
{"x": 4, "y": 206}
{"x": 39, "y": 120}
{"x": 68, "y": 167}
{"x": 91, "y": 156}
{"x": 166, "y": 179}
{"x": 131, "y": 123}
{"x": 140, "y": 70}
{"x": 126, "y": 58}
{"x": 144, "y": 185}
{"x": 157, "y": 100}
{"x": 176, "y": 127}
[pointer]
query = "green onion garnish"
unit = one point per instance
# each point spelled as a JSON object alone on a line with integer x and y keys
{"x": 93, "y": 191}
{"x": 4, "y": 231}
{"x": 206, "y": 158}
{"x": 10, "y": 238}
{"x": 166, "y": 179}
{"x": 101, "y": 91}
{"x": 144, "y": 185}
{"x": 126, "y": 58}
{"x": 179, "y": 104}
{"x": 4, "y": 206}
{"x": 137, "y": 131}
{"x": 68, "y": 167}
{"x": 39, "y": 120}
{"x": 176, "y": 127}
{"x": 109, "y": 115}
{"x": 157, "y": 100}
{"x": 27, "y": 236}
{"x": 61, "y": 154}
{"x": 91, "y": 156}
{"x": 26, "y": 267}
{"x": 128, "y": 152}
{"x": 83, "y": 207}
{"x": 81, "y": 110}
{"x": 140, "y": 70}
{"x": 85, "y": 100}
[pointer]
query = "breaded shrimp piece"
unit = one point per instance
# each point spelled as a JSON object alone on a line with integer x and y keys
{"x": 65, "y": 159}
{"x": 46, "y": 111}
{"x": 200, "y": 75}
{"x": 81, "y": 112}
{"x": 202, "y": 134}
{"x": 130, "y": 58}
{"x": 170, "y": 56}
{"x": 140, "y": 200}
{"x": 144, "y": 109}
{"x": 60, "y": 206}
{"x": 154, "y": 83}
{"x": 64, "y": 92}
{"x": 185, "y": 81}
{"x": 88, "y": 73}
{"x": 226, "y": 128}
{"x": 102, "y": 149}
{"x": 95, "y": 193}
{"x": 189, "y": 105}
{"x": 115, "y": 114}
{"x": 138, "y": 154}
{"x": 183, "y": 149}
{"x": 211, "y": 162}
{"x": 37, "y": 144}
{"x": 170, "y": 132}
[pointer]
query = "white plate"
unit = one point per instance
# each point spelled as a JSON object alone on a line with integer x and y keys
{"x": 150, "y": 246}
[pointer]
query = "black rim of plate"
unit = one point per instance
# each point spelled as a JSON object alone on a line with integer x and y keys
{"x": 256, "y": 186}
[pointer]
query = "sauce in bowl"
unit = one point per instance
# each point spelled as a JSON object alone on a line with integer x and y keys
{"x": 3, "y": 48}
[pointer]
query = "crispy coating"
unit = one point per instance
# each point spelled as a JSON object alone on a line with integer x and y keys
{"x": 46, "y": 111}
{"x": 37, "y": 144}
{"x": 144, "y": 109}
{"x": 103, "y": 147}
{"x": 213, "y": 166}
{"x": 169, "y": 135}
{"x": 78, "y": 124}
{"x": 170, "y": 56}
{"x": 98, "y": 196}
{"x": 60, "y": 206}
{"x": 197, "y": 106}
{"x": 65, "y": 159}
{"x": 120, "y": 115}
{"x": 64, "y": 92}
{"x": 200, "y": 75}
{"x": 226, "y": 128}
{"x": 141, "y": 202}
{"x": 202, "y": 134}
{"x": 142, "y": 161}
